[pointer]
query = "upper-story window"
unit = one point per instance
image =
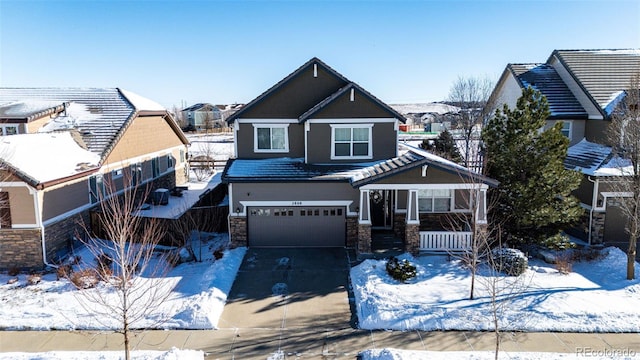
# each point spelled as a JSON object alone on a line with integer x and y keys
{"x": 8, "y": 130}
{"x": 270, "y": 138}
{"x": 566, "y": 128}
{"x": 351, "y": 141}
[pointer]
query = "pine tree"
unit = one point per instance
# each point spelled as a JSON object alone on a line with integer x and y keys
{"x": 444, "y": 145}
{"x": 533, "y": 200}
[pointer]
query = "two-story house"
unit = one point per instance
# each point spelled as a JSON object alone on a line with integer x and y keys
{"x": 583, "y": 88}
{"x": 61, "y": 148}
{"x": 318, "y": 163}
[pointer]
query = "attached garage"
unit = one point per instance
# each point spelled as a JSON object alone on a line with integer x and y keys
{"x": 297, "y": 226}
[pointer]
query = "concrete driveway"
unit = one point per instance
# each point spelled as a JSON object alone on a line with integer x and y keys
{"x": 289, "y": 300}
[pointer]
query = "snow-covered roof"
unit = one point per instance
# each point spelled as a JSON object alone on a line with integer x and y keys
{"x": 99, "y": 114}
{"x": 46, "y": 156}
{"x": 424, "y": 108}
{"x": 141, "y": 103}
{"x": 357, "y": 174}
{"x": 596, "y": 160}
{"x": 25, "y": 109}
{"x": 544, "y": 78}
{"x": 586, "y": 157}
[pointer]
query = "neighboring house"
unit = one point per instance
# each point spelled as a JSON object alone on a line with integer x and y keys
{"x": 61, "y": 146}
{"x": 201, "y": 115}
{"x": 583, "y": 88}
{"x": 318, "y": 163}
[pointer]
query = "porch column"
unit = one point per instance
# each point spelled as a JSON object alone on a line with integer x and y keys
{"x": 364, "y": 224}
{"x": 481, "y": 206}
{"x": 412, "y": 229}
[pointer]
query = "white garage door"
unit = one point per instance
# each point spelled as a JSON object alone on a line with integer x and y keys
{"x": 297, "y": 226}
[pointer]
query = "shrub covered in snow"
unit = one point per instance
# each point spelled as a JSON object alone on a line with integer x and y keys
{"x": 400, "y": 270}
{"x": 512, "y": 262}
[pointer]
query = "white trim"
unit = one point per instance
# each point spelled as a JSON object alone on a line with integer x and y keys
{"x": 22, "y": 226}
{"x": 352, "y": 95}
{"x": 607, "y": 195}
{"x": 570, "y": 122}
{"x": 315, "y": 70}
{"x": 307, "y": 128}
{"x": 352, "y": 126}
{"x": 294, "y": 203}
{"x": 413, "y": 217}
{"x": 270, "y": 127}
{"x": 236, "y": 128}
{"x": 459, "y": 186}
{"x": 351, "y": 120}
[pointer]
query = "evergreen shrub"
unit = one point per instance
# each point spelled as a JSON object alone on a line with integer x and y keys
{"x": 400, "y": 270}
{"x": 512, "y": 262}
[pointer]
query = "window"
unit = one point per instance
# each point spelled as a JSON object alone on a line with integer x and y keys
{"x": 5, "y": 210}
{"x": 155, "y": 167}
{"x": 271, "y": 138}
{"x": 116, "y": 174}
{"x": 566, "y": 129}
{"x": 96, "y": 188}
{"x": 434, "y": 200}
{"x": 349, "y": 141}
{"x": 170, "y": 162}
{"x": 136, "y": 174}
{"x": 8, "y": 130}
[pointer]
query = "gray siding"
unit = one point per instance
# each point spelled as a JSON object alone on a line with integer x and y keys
{"x": 298, "y": 95}
{"x": 319, "y": 143}
{"x": 414, "y": 176}
{"x": 596, "y": 131}
{"x": 245, "y": 138}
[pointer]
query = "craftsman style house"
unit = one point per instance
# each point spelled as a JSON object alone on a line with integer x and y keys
{"x": 318, "y": 163}
{"x": 58, "y": 150}
{"x": 583, "y": 88}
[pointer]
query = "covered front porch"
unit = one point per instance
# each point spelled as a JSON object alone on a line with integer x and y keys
{"x": 427, "y": 217}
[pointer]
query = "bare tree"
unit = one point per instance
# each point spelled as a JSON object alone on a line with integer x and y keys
{"x": 126, "y": 262}
{"x": 501, "y": 290}
{"x": 471, "y": 94}
{"x": 624, "y": 134}
{"x": 179, "y": 117}
{"x": 208, "y": 120}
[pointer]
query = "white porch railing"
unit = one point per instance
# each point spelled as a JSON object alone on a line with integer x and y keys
{"x": 445, "y": 241}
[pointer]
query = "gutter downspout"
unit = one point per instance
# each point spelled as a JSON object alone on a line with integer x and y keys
{"x": 594, "y": 199}
{"x": 41, "y": 226}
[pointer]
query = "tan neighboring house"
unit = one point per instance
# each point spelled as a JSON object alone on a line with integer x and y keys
{"x": 59, "y": 147}
{"x": 583, "y": 88}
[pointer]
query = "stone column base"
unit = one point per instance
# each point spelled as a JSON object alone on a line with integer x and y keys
{"x": 364, "y": 239}
{"x": 238, "y": 231}
{"x": 412, "y": 238}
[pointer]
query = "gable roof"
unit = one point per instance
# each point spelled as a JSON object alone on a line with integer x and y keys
{"x": 201, "y": 107}
{"x": 602, "y": 74}
{"x": 342, "y": 85}
{"x": 544, "y": 78}
{"x": 94, "y": 118}
{"x": 100, "y": 115}
{"x": 44, "y": 157}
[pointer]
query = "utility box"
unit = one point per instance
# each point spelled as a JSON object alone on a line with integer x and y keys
{"x": 160, "y": 197}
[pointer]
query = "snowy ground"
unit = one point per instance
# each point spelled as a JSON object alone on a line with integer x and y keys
{"x": 595, "y": 297}
{"x": 199, "y": 291}
{"x": 394, "y": 354}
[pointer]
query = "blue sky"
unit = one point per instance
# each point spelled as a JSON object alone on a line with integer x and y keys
{"x": 182, "y": 52}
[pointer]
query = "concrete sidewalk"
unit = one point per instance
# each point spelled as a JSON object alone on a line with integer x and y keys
{"x": 312, "y": 344}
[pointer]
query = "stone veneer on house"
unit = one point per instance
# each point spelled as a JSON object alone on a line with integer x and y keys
{"x": 20, "y": 248}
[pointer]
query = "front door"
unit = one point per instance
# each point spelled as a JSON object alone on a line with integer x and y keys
{"x": 381, "y": 205}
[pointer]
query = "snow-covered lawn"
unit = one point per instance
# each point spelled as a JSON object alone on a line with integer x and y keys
{"x": 595, "y": 297}
{"x": 199, "y": 292}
